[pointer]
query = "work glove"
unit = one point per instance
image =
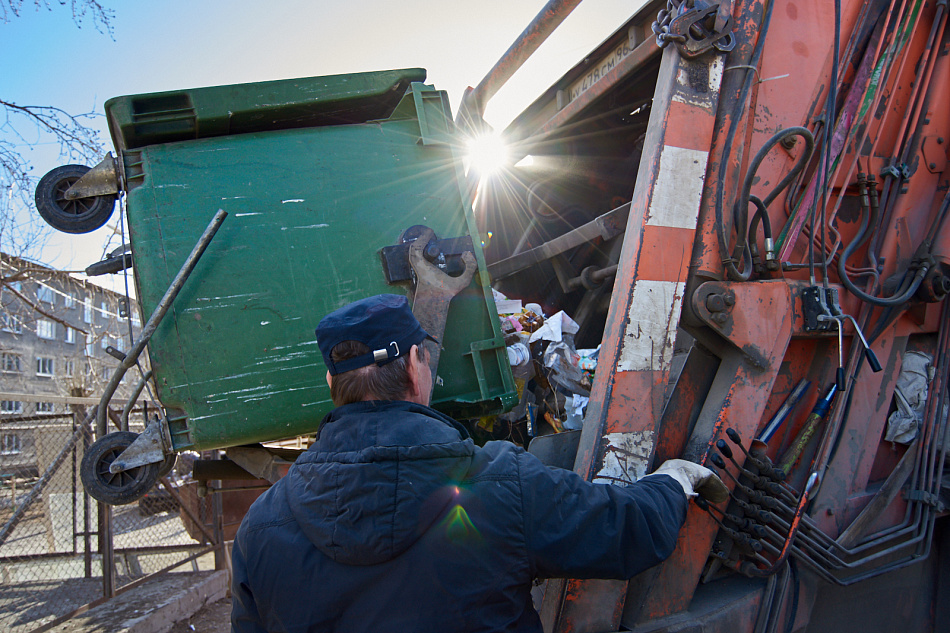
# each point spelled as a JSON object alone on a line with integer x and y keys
{"x": 695, "y": 479}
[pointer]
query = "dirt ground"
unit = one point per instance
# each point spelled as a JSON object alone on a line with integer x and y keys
{"x": 213, "y": 618}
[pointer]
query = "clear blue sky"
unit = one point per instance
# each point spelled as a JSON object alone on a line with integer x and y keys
{"x": 174, "y": 44}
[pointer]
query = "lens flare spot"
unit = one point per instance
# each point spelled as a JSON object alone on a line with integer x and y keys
{"x": 487, "y": 154}
{"x": 459, "y": 527}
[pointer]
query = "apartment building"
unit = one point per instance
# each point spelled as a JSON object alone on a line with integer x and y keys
{"x": 59, "y": 338}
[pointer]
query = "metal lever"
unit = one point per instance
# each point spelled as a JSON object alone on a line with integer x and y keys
{"x": 840, "y": 378}
{"x": 868, "y": 352}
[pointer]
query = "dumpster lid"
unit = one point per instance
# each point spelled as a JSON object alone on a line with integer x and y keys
{"x": 181, "y": 115}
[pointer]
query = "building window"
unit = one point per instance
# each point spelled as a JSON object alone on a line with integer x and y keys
{"x": 69, "y": 300}
{"x": 10, "y": 362}
{"x": 120, "y": 344}
{"x": 106, "y": 341}
{"x": 45, "y": 329}
{"x": 12, "y": 323}
{"x": 44, "y": 293}
{"x": 11, "y": 406}
{"x": 70, "y": 335}
{"x": 45, "y": 407}
{"x": 90, "y": 345}
{"x": 10, "y": 444}
{"x": 69, "y": 368}
{"x": 107, "y": 373}
{"x": 44, "y": 366}
{"x": 14, "y": 286}
{"x": 136, "y": 322}
{"x": 87, "y": 310}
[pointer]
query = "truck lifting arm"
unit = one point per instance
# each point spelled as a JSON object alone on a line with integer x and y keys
{"x": 788, "y": 118}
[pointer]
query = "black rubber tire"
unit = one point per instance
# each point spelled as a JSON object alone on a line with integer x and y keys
{"x": 166, "y": 466}
{"x": 119, "y": 488}
{"x": 70, "y": 216}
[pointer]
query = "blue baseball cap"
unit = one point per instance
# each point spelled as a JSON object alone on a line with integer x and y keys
{"x": 384, "y": 323}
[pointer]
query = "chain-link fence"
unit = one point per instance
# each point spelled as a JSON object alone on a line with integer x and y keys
{"x": 59, "y": 548}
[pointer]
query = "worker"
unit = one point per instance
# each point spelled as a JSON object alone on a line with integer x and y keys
{"x": 394, "y": 520}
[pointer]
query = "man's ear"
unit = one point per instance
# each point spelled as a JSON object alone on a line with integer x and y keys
{"x": 415, "y": 383}
{"x": 329, "y": 379}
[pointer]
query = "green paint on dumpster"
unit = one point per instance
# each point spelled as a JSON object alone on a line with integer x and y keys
{"x": 310, "y": 206}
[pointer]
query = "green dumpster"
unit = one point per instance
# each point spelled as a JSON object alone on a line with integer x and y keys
{"x": 320, "y": 177}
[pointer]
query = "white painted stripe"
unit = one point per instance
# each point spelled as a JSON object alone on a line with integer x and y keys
{"x": 679, "y": 188}
{"x": 626, "y": 457}
{"x": 715, "y": 74}
{"x": 651, "y": 326}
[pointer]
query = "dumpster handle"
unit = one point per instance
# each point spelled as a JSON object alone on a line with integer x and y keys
{"x": 157, "y": 315}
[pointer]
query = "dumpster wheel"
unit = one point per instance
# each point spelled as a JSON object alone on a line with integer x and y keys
{"x": 166, "y": 466}
{"x": 115, "y": 488}
{"x": 81, "y": 215}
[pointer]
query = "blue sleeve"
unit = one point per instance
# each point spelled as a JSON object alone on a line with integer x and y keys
{"x": 578, "y": 529}
{"x": 244, "y": 615}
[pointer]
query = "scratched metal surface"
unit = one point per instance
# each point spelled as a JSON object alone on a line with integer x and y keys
{"x": 309, "y": 210}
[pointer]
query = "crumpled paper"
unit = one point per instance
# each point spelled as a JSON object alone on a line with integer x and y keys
{"x": 555, "y": 328}
{"x": 910, "y": 394}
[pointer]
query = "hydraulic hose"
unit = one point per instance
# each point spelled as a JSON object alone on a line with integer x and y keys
{"x": 868, "y": 219}
{"x": 741, "y": 251}
{"x": 761, "y": 215}
{"x": 740, "y": 213}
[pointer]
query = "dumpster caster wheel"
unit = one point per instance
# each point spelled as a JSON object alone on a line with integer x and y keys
{"x": 70, "y": 216}
{"x": 118, "y": 488}
{"x": 166, "y": 466}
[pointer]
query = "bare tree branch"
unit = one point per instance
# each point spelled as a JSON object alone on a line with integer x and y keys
{"x": 81, "y": 9}
{"x": 24, "y": 127}
{"x": 35, "y": 306}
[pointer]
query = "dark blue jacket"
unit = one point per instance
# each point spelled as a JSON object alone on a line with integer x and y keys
{"x": 395, "y": 521}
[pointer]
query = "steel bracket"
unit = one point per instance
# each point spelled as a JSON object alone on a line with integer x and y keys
{"x": 149, "y": 447}
{"x": 902, "y": 171}
{"x": 928, "y": 498}
{"x": 101, "y": 180}
{"x": 935, "y": 153}
{"x": 820, "y": 307}
{"x": 435, "y": 289}
{"x": 701, "y": 29}
{"x": 734, "y": 311}
{"x": 446, "y": 254}
{"x": 259, "y": 462}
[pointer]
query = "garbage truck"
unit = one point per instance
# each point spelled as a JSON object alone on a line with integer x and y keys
{"x": 721, "y": 236}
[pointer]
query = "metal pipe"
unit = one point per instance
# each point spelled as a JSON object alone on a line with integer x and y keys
{"x": 796, "y": 221}
{"x": 548, "y": 19}
{"x": 124, "y": 425}
{"x": 888, "y": 186}
{"x": 923, "y": 521}
{"x": 106, "y": 549}
{"x": 157, "y": 315}
{"x": 933, "y": 419}
{"x": 592, "y": 277}
{"x": 750, "y": 569}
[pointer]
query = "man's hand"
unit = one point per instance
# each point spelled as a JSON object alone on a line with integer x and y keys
{"x": 695, "y": 479}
